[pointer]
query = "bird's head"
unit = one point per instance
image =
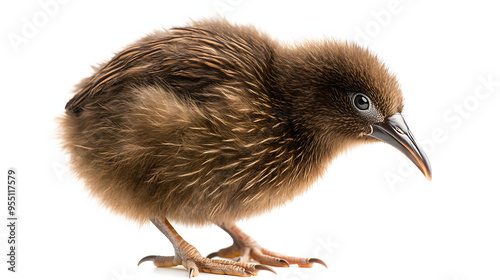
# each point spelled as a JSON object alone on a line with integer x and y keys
{"x": 342, "y": 91}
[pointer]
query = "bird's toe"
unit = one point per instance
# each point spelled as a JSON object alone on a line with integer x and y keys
{"x": 238, "y": 268}
{"x": 301, "y": 262}
{"x": 162, "y": 261}
{"x": 262, "y": 258}
{"x": 230, "y": 252}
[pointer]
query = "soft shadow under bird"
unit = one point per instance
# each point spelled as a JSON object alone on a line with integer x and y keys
{"x": 213, "y": 123}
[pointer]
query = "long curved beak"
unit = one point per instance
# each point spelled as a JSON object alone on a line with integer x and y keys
{"x": 394, "y": 131}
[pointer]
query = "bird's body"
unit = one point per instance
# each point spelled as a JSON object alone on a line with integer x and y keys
{"x": 214, "y": 123}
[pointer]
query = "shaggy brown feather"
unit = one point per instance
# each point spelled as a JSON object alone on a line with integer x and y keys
{"x": 214, "y": 122}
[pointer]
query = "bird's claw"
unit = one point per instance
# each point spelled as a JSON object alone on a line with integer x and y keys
{"x": 212, "y": 255}
{"x": 315, "y": 260}
{"x": 264, "y": 267}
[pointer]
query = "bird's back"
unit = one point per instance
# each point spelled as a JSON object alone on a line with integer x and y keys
{"x": 190, "y": 60}
{"x": 183, "y": 124}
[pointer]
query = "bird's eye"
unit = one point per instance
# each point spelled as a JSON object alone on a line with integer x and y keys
{"x": 361, "y": 102}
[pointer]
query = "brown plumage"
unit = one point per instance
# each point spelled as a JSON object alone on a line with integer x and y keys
{"x": 213, "y": 123}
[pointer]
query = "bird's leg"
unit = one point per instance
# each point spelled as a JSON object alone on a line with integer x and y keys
{"x": 246, "y": 248}
{"x": 190, "y": 258}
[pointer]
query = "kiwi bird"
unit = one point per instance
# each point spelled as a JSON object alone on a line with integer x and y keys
{"x": 213, "y": 123}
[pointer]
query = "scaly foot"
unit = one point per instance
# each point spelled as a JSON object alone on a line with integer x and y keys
{"x": 195, "y": 264}
{"x": 190, "y": 258}
{"x": 247, "y": 249}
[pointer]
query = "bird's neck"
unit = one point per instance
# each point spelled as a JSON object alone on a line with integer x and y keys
{"x": 295, "y": 101}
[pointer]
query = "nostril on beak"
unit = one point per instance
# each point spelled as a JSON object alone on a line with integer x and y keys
{"x": 399, "y": 130}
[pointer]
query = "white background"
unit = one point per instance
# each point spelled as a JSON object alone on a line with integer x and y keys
{"x": 362, "y": 224}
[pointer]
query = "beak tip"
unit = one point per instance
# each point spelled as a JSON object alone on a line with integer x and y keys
{"x": 424, "y": 166}
{"x": 428, "y": 175}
